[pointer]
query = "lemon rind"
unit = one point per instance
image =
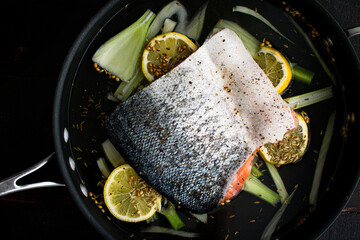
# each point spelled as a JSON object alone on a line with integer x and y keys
{"x": 263, "y": 150}
{"x": 286, "y": 67}
{"x": 112, "y": 208}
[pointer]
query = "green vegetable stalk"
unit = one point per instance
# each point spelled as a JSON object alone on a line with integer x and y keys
{"x": 125, "y": 89}
{"x": 112, "y": 154}
{"x": 270, "y": 228}
{"x": 325, "y": 145}
{"x": 309, "y": 98}
{"x": 313, "y": 48}
{"x": 278, "y": 181}
{"x": 171, "y": 215}
{"x": 251, "y": 12}
{"x": 164, "y": 230}
{"x": 254, "y": 186}
{"x": 103, "y": 167}
{"x": 120, "y": 54}
{"x": 302, "y": 75}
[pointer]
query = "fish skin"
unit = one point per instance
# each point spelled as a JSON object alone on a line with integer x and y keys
{"x": 189, "y": 131}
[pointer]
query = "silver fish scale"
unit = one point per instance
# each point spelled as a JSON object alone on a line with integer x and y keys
{"x": 177, "y": 164}
{"x": 186, "y": 133}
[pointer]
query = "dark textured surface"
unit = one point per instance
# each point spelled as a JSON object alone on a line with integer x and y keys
{"x": 36, "y": 36}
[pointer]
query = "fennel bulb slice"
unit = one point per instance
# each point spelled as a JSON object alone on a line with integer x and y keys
{"x": 172, "y": 8}
{"x": 251, "y": 12}
{"x": 120, "y": 53}
{"x": 194, "y": 28}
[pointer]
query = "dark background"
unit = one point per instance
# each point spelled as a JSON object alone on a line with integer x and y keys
{"x": 36, "y": 36}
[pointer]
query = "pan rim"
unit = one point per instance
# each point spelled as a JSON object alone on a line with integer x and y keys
{"x": 70, "y": 180}
{"x": 87, "y": 208}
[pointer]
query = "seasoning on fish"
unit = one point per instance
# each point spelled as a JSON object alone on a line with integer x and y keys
{"x": 190, "y": 132}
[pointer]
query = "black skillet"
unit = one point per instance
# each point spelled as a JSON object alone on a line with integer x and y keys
{"x": 81, "y": 106}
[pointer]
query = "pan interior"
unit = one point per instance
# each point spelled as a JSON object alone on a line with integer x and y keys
{"x": 88, "y": 107}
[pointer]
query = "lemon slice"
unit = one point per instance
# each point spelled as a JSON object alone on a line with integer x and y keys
{"x": 275, "y": 66}
{"x": 128, "y": 197}
{"x": 164, "y": 52}
{"x": 291, "y": 148}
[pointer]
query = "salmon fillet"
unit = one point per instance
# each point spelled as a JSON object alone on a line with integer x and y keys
{"x": 189, "y": 132}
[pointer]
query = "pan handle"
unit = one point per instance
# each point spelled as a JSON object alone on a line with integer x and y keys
{"x": 350, "y": 32}
{"x": 9, "y": 185}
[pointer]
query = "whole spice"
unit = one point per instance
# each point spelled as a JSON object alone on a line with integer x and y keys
{"x": 289, "y": 149}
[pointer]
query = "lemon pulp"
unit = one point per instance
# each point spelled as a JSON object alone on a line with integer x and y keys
{"x": 164, "y": 52}
{"x": 291, "y": 148}
{"x": 128, "y": 197}
{"x": 276, "y": 67}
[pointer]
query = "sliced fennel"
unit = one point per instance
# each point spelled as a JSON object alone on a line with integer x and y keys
{"x": 126, "y": 88}
{"x": 169, "y": 25}
{"x": 172, "y": 8}
{"x": 201, "y": 217}
{"x": 254, "y": 186}
{"x": 251, "y": 12}
{"x": 324, "y": 148}
{"x": 120, "y": 54}
{"x": 278, "y": 181}
{"x": 309, "y": 98}
{"x": 104, "y": 168}
{"x": 256, "y": 172}
{"x": 158, "y": 229}
{"x": 112, "y": 97}
{"x": 270, "y": 228}
{"x": 171, "y": 215}
{"x": 168, "y": 209}
{"x": 250, "y": 42}
{"x": 194, "y": 28}
{"x": 112, "y": 154}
